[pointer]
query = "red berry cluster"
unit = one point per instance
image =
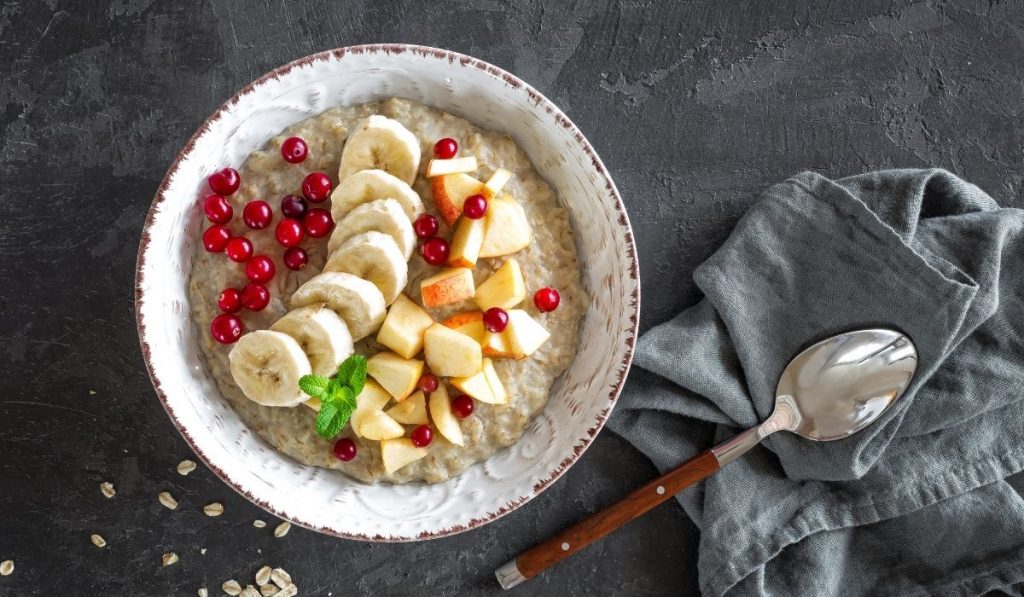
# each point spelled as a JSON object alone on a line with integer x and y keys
{"x": 298, "y": 222}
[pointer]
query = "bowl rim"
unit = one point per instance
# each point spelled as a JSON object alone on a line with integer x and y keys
{"x": 541, "y": 102}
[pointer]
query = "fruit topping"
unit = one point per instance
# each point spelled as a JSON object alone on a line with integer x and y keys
{"x": 296, "y": 258}
{"x": 294, "y": 150}
{"x": 224, "y": 181}
{"x": 446, "y": 148}
{"x": 293, "y": 207}
{"x": 435, "y": 251}
{"x": 229, "y": 300}
{"x": 495, "y": 319}
{"x": 422, "y": 436}
{"x": 260, "y": 269}
{"x": 474, "y": 207}
{"x": 226, "y": 328}
{"x": 216, "y": 238}
{"x": 345, "y": 449}
{"x": 425, "y": 226}
{"x": 289, "y": 232}
{"x": 257, "y": 214}
{"x": 546, "y": 299}
{"x": 316, "y": 187}
{"x": 318, "y": 222}
{"x": 217, "y": 209}
{"x": 239, "y": 249}
{"x": 255, "y": 297}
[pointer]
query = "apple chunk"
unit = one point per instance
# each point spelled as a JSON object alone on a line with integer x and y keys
{"x": 497, "y": 388}
{"x": 444, "y": 419}
{"x": 447, "y": 286}
{"x": 525, "y": 335}
{"x": 439, "y": 167}
{"x": 402, "y": 330}
{"x": 498, "y": 345}
{"x": 377, "y": 425}
{"x": 505, "y": 288}
{"x": 399, "y": 452}
{"x": 451, "y": 190}
{"x": 485, "y": 386}
{"x": 470, "y": 323}
{"x": 397, "y": 375}
{"x": 507, "y": 229}
{"x": 411, "y": 411}
{"x": 451, "y": 354}
{"x": 495, "y": 183}
{"x": 372, "y": 399}
{"x": 466, "y": 243}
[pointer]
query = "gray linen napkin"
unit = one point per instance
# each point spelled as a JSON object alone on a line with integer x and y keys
{"x": 917, "y": 503}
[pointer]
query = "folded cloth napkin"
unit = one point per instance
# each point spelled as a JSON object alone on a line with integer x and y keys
{"x": 918, "y": 502}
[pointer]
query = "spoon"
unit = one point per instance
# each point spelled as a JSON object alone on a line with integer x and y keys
{"x": 829, "y": 391}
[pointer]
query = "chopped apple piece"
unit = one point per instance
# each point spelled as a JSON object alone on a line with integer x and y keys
{"x": 377, "y": 425}
{"x": 466, "y": 243}
{"x": 497, "y": 388}
{"x": 402, "y": 330}
{"x": 451, "y": 190}
{"x": 451, "y": 354}
{"x": 438, "y": 167}
{"x": 495, "y": 183}
{"x": 524, "y": 333}
{"x": 447, "y": 287}
{"x": 507, "y": 229}
{"x": 399, "y": 452}
{"x": 371, "y": 399}
{"x": 505, "y": 288}
{"x": 411, "y": 411}
{"x": 441, "y": 413}
{"x": 470, "y": 323}
{"x": 397, "y": 375}
{"x": 498, "y": 345}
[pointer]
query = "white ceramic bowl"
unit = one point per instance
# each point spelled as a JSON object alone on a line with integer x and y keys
{"x": 328, "y": 501}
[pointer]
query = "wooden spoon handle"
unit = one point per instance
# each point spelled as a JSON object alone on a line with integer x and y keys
{"x": 539, "y": 558}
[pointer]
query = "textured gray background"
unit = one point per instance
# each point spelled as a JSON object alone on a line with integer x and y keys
{"x": 694, "y": 106}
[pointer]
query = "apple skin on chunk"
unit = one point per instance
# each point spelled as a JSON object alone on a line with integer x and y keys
{"x": 396, "y": 375}
{"x": 470, "y": 323}
{"x": 399, "y": 452}
{"x": 451, "y": 190}
{"x": 451, "y": 354}
{"x": 447, "y": 287}
{"x": 403, "y": 327}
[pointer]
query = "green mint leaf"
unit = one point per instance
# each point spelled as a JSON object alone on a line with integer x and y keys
{"x": 325, "y": 420}
{"x": 345, "y": 401}
{"x": 352, "y": 373}
{"x": 333, "y": 385}
{"x": 314, "y": 385}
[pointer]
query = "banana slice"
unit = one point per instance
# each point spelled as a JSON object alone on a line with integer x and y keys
{"x": 267, "y": 366}
{"x": 373, "y": 256}
{"x": 369, "y": 185}
{"x": 321, "y": 334}
{"x": 382, "y": 215}
{"x": 357, "y": 301}
{"x": 383, "y": 143}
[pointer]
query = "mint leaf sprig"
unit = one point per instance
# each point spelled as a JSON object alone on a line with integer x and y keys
{"x": 337, "y": 394}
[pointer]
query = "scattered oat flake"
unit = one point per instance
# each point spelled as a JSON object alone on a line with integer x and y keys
{"x": 170, "y": 558}
{"x": 289, "y": 591}
{"x": 250, "y": 591}
{"x": 6, "y": 567}
{"x": 107, "y": 489}
{"x": 282, "y": 529}
{"x": 280, "y": 577}
{"x": 185, "y": 467}
{"x": 203, "y": 551}
{"x": 268, "y": 590}
{"x": 202, "y": 592}
{"x": 259, "y": 524}
{"x": 167, "y": 500}
{"x": 263, "y": 575}
{"x": 231, "y": 587}
{"x": 213, "y": 509}
{"x": 92, "y": 392}
{"x": 98, "y": 540}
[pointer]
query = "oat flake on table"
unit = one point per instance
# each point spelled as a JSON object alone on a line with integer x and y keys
{"x": 282, "y": 529}
{"x": 231, "y": 587}
{"x": 268, "y": 590}
{"x": 280, "y": 577}
{"x": 107, "y": 489}
{"x": 170, "y": 558}
{"x": 98, "y": 540}
{"x": 168, "y": 500}
{"x": 185, "y": 467}
{"x": 6, "y": 567}
{"x": 202, "y": 592}
{"x": 213, "y": 509}
{"x": 263, "y": 575}
{"x": 259, "y": 524}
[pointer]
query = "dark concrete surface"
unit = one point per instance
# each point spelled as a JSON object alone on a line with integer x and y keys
{"x": 694, "y": 106}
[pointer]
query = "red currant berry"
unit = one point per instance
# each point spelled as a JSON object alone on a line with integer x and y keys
{"x": 495, "y": 319}
{"x": 216, "y": 238}
{"x": 462, "y": 406}
{"x": 229, "y": 300}
{"x": 474, "y": 207}
{"x": 293, "y": 207}
{"x": 255, "y": 297}
{"x": 296, "y": 258}
{"x": 422, "y": 436}
{"x": 257, "y": 215}
{"x": 289, "y": 232}
{"x": 318, "y": 222}
{"x": 316, "y": 187}
{"x": 217, "y": 209}
{"x": 226, "y": 328}
{"x": 345, "y": 449}
{"x": 239, "y": 249}
{"x": 546, "y": 299}
{"x": 425, "y": 226}
{"x": 428, "y": 383}
{"x": 446, "y": 148}
{"x": 435, "y": 251}
{"x": 260, "y": 269}
{"x": 294, "y": 150}
{"x": 225, "y": 181}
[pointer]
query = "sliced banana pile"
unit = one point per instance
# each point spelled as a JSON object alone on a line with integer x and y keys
{"x": 374, "y": 207}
